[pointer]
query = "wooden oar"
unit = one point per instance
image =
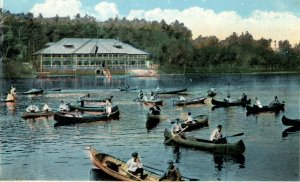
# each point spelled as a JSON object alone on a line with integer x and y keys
{"x": 239, "y": 134}
{"x": 167, "y": 141}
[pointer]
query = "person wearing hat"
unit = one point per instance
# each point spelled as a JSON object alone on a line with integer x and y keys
{"x": 155, "y": 109}
{"x": 172, "y": 173}
{"x": 217, "y": 136}
{"x": 135, "y": 166}
{"x": 63, "y": 107}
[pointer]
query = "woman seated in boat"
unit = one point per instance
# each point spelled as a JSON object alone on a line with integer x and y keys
{"x": 135, "y": 165}
{"x": 32, "y": 108}
{"x": 257, "y": 103}
{"x": 46, "y": 108}
{"x": 172, "y": 173}
{"x": 190, "y": 118}
{"x": 217, "y": 136}
{"x": 63, "y": 107}
{"x": 155, "y": 109}
{"x": 274, "y": 102}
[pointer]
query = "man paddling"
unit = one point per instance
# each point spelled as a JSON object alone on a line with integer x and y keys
{"x": 217, "y": 136}
{"x": 172, "y": 173}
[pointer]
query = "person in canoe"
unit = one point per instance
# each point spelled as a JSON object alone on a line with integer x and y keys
{"x": 181, "y": 98}
{"x": 153, "y": 96}
{"x": 135, "y": 165}
{"x": 172, "y": 173}
{"x": 228, "y": 99}
{"x": 63, "y": 107}
{"x": 257, "y": 103}
{"x": 141, "y": 95}
{"x": 46, "y": 108}
{"x": 190, "y": 118}
{"x": 244, "y": 98}
{"x": 155, "y": 109}
{"x": 217, "y": 136}
{"x": 32, "y": 108}
{"x": 274, "y": 102}
{"x": 11, "y": 94}
{"x": 108, "y": 106}
{"x": 176, "y": 128}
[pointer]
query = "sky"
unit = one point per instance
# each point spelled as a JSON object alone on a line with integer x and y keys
{"x": 275, "y": 19}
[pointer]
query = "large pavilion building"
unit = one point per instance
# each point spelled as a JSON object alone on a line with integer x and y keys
{"x": 98, "y": 56}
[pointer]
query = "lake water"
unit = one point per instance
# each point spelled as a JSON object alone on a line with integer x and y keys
{"x": 36, "y": 150}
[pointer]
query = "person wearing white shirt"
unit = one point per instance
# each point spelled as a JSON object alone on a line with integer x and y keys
{"x": 135, "y": 165}
{"x": 190, "y": 118}
{"x": 32, "y": 108}
{"x": 181, "y": 98}
{"x": 63, "y": 107}
{"x": 108, "y": 106}
{"x": 176, "y": 128}
{"x": 217, "y": 136}
{"x": 257, "y": 103}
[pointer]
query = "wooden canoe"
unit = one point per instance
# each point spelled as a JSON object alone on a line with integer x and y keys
{"x": 116, "y": 167}
{"x": 33, "y": 91}
{"x": 170, "y": 91}
{"x": 198, "y": 100}
{"x": 199, "y": 122}
{"x": 228, "y": 104}
{"x": 157, "y": 101}
{"x": 207, "y": 145}
{"x": 290, "y": 122}
{"x": 255, "y": 109}
{"x": 28, "y": 115}
{"x": 63, "y": 118}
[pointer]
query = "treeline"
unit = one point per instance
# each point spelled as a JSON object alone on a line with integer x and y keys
{"x": 170, "y": 45}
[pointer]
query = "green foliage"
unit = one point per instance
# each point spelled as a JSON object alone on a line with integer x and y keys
{"x": 170, "y": 45}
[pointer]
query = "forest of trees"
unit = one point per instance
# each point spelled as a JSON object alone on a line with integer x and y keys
{"x": 170, "y": 45}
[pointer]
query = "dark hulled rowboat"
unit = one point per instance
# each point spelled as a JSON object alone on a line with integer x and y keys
{"x": 290, "y": 122}
{"x": 199, "y": 122}
{"x": 28, "y": 115}
{"x": 199, "y": 100}
{"x": 227, "y": 104}
{"x": 69, "y": 118}
{"x": 274, "y": 108}
{"x": 170, "y": 91}
{"x": 33, "y": 91}
{"x": 116, "y": 167}
{"x": 127, "y": 89}
{"x": 207, "y": 145}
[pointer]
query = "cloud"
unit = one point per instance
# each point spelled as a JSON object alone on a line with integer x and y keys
{"x": 205, "y": 22}
{"x": 51, "y": 8}
{"x": 106, "y": 10}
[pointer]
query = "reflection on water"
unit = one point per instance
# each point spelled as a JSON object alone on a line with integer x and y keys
{"x": 99, "y": 175}
{"x": 290, "y": 130}
{"x": 220, "y": 159}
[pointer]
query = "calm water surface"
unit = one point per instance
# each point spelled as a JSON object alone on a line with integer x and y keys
{"x": 35, "y": 150}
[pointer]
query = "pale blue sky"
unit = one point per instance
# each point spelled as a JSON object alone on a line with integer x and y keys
{"x": 276, "y": 19}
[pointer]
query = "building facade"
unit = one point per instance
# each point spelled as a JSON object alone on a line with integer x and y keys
{"x": 94, "y": 55}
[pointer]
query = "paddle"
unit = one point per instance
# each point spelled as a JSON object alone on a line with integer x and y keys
{"x": 239, "y": 134}
{"x": 167, "y": 141}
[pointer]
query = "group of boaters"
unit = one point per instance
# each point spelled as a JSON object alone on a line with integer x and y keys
{"x": 142, "y": 96}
